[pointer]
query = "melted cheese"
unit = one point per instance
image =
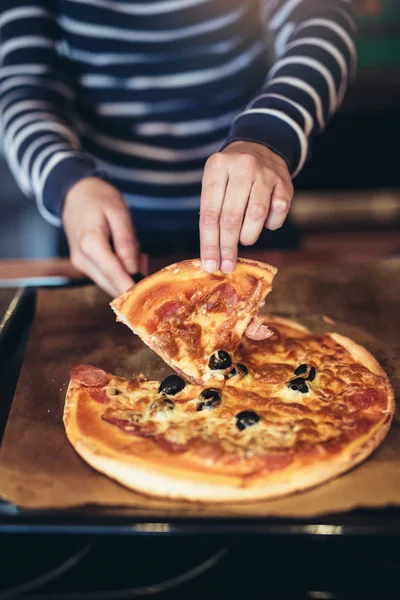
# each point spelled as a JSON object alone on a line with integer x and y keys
{"x": 289, "y": 420}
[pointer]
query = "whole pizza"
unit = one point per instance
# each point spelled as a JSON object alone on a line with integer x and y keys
{"x": 267, "y": 411}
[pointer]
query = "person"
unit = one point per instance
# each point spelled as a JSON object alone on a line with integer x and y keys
{"x": 156, "y": 108}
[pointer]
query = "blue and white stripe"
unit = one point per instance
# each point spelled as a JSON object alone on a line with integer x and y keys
{"x": 147, "y": 90}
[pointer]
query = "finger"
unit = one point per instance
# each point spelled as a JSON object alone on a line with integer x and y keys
{"x": 96, "y": 247}
{"x": 124, "y": 239}
{"x": 212, "y": 194}
{"x": 256, "y": 212}
{"x": 144, "y": 264}
{"x": 235, "y": 202}
{"x": 90, "y": 269}
{"x": 280, "y": 204}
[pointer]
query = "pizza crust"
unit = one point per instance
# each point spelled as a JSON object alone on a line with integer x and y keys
{"x": 154, "y": 482}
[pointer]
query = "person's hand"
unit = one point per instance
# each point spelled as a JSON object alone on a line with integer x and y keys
{"x": 245, "y": 187}
{"x": 95, "y": 214}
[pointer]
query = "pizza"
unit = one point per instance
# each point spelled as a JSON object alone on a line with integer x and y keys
{"x": 295, "y": 410}
{"x": 195, "y": 320}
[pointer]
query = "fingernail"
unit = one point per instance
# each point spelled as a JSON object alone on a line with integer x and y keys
{"x": 210, "y": 266}
{"x": 227, "y": 266}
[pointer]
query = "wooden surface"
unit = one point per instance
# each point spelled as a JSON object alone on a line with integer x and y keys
{"x": 317, "y": 248}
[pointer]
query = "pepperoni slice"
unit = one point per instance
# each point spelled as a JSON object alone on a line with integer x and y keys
{"x": 169, "y": 310}
{"x": 90, "y": 376}
{"x": 100, "y": 396}
{"x": 257, "y": 330}
{"x": 224, "y": 295}
{"x": 367, "y": 398}
{"x": 228, "y": 294}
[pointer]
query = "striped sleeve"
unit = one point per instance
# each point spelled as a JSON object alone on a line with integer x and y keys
{"x": 35, "y": 106}
{"x": 315, "y": 58}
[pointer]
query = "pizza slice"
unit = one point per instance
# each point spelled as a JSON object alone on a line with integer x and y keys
{"x": 195, "y": 320}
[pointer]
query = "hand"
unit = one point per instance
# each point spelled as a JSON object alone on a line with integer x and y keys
{"x": 245, "y": 187}
{"x": 95, "y": 213}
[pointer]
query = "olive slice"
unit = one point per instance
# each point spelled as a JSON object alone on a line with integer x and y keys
{"x": 298, "y": 385}
{"x": 311, "y": 374}
{"x": 219, "y": 360}
{"x": 301, "y": 369}
{"x": 171, "y": 385}
{"x": 238, "y": 370}
{"x": 209, "y": 398}
{"x": 246, "y": 418}
{"x": 170, "y": 403}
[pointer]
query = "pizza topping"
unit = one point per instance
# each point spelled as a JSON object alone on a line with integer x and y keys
{"x": 166, "y": 342}
{"x": 90, "y": 376}
{"x": 100, "y": 396}
{"x": 311, "y": 374}
{"x": 220, "y": 360}
{"x": 190, "y": 334}
{"x": 305, "y": 369}
{"x": 298, "y": 385}
{"x": 170, "y": 403}
{"x": 239, "y": 370}
{"x": 228, "y": 294}
{"x": 257, "y": 330}
{"x": 116, "y": 392}
{"x": 246, "y": 418}
{"x": 169, "y": 310}
{"x": 364, "y": 399}
{"x": 171, "y": 385}
{"x": 222, "y": 297}
{"x": 210, "y": 398}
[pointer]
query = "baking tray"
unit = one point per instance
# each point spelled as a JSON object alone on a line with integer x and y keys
{"x": 18, "y": 309}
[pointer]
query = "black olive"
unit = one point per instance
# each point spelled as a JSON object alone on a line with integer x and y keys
{"x": 246, "y": 418}
{"x": 219, "y": 360}
{"x": 300, "y": 370}
{"x": 210, "y": 398}
{"x": 171, "y": 385}
{"x": 311, "y": 374}
{"x": 238, "y": 369}
{"x": 170, "y": 403}
{"x": 117, "y": 392}
{"x": 298, "y": 385}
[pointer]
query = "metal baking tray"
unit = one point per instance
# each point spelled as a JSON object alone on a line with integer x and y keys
{"x": 17, "y": 313}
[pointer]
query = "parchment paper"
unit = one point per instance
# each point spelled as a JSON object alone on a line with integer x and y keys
{"x": 39, "y": 469}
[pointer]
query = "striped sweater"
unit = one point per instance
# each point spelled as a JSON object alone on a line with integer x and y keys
{"x": 143, "y": 91}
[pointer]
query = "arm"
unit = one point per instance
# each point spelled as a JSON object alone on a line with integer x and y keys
{"x": 43, "y": 150}
{"x": 269, "y": 141}
{"x": 41, "y": 146}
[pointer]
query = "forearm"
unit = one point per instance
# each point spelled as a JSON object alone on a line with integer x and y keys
{"x": 39, "y": 141}
{"x": 315, "y": 58}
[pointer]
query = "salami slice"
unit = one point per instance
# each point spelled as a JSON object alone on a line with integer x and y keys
{"x": 257, "y": 330}
{"x": 90, "y": 376}
{"x": 100, "y": 396}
